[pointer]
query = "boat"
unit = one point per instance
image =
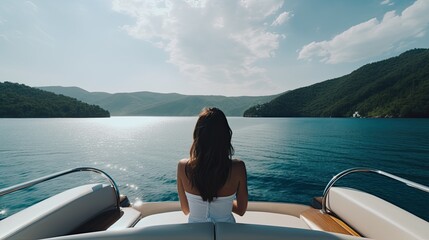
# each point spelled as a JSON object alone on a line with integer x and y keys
{"x": 98, "y": 211}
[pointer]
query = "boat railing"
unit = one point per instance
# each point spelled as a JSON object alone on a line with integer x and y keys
{"x": 28, "y": 184}
{"x": 368, "y": 170}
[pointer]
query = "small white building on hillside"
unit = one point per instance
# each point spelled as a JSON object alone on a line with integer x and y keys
{"x": 356, "y": 114}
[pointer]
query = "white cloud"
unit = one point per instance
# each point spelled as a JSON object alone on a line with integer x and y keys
{"x": 282, "y": 18}
{"x": 32, "y": 6}
{"x": 258, "y": 9}
{"x": 387, "y": 2}
{"x": 196, "y": 3}
{"x": 372, "y": 37}
{"x": 219, "y": 22}
{"x": 208, "y": 40}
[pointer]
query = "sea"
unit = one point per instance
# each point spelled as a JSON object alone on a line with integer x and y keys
{"x": 287, "y": 159}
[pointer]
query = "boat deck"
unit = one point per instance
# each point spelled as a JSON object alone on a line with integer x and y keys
{"x": 96, "y": 211}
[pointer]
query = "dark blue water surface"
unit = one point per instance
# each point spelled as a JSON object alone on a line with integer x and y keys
{"x": 287, "y": 159}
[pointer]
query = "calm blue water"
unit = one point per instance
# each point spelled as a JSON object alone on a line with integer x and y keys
{"x": 287, "y": 159}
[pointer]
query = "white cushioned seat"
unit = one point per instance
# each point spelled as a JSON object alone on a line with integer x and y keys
{"x": 263, "y": 218}
{"x": 162, "y": 219}
{"x": 374, "y": 217}
{"x": 47, "y": 218}
{"x": 129, "y": 217}
{"x": 271, "y": 219}
{"x": 237, "y": 231}
{"x": 186, "y": 231}
{"x": 218, "y": 231}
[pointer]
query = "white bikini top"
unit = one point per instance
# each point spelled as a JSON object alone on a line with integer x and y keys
{"x": 218, "y": 210}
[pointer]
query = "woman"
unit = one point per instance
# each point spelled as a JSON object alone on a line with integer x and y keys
{"x": 210, "y": 183}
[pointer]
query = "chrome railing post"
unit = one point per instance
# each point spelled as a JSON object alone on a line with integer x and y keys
{"x": 17, "y": 187}
{"x": 370, "y": 170}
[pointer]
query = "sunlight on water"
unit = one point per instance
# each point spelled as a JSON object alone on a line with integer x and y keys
{"x": 115, "y": 123}
{"x": 288, "y": 160}
{"x": 3, "y": 212}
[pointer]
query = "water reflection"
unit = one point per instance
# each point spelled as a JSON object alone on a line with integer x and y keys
{"x": 288, "y": 160}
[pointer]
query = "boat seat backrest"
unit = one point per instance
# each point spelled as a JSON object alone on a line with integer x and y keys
{"x": 374, "y": 217}
{"x": 183, "y": 231}
{"x": 210, "y": 231}
{"x": 237, "y": 231}
{"x": 59, "y": 214}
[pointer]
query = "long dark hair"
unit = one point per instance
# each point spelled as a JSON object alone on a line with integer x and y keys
{"x": 210, "y": 162}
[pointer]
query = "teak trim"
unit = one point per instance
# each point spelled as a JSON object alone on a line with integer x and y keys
{"x": 327, "y": 222}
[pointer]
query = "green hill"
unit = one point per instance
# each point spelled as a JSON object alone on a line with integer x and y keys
{"x": 396, "y": 87}
{"x": 20, "y": 101}
{"x": 160, "y": 104}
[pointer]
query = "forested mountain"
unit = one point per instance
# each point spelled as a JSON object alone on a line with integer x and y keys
{"x": 396, "y": 87}
{"x": 160, "y": 104}
{"x": 21, "y": 101}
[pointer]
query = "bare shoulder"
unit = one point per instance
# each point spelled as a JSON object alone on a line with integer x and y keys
{"x": 182, "y": 164}
{"x": 238, "y": 171}
{"x": 237, "y": 162}
{"x": 238, "y": 165}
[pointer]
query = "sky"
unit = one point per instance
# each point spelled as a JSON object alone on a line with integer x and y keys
{"x": 201, "y": 47}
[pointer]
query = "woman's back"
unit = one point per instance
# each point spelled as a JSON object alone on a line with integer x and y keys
{"x": 208, "y": 181}
{"x": 222, "y": 206}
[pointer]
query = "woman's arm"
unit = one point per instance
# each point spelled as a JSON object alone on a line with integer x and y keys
{"x": 180, "y": 189}
{"x": 240, "y": 204}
